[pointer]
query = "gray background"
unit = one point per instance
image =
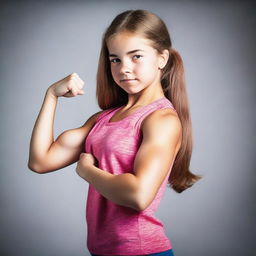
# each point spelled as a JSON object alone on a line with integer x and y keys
{"x": 44, "y": 41}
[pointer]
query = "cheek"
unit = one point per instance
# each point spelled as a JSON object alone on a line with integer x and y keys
{"x": 114, "y": 71}
{"x": 148, "y": 71}
{"x": 148, "y": 64}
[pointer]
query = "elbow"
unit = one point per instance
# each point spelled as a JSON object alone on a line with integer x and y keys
{"x": 133, "y": 201}
{"x": 141, "y": 203}
{"x": 134, "y": 197}
{"x": 140, "y": 206}
{"x": 35, "y": 168}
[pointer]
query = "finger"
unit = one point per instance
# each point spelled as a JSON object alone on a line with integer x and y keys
{"x": 78, "y": 84}
{"x": 68, "y": 94}
{"x": 82, "y": 82}
{"x": 76, "y": 79}
{"x": 81, "y": 92}
{"x": 74, "y": 91}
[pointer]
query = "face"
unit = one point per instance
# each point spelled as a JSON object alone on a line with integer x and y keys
{"x": 134, "y": 63}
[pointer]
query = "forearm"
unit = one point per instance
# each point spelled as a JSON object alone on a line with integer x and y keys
{"x": 120, "y": 189}
{"x": 42, "y": 134}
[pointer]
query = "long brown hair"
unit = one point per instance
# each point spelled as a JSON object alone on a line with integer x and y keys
{"x": 109, "y": 94}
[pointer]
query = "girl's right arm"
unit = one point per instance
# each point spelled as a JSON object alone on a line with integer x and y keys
{"x": 45, "y": 154}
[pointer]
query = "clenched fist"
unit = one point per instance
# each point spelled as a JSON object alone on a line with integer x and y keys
{"x": 70, "y": 86}
{"x": 85, "y": 160}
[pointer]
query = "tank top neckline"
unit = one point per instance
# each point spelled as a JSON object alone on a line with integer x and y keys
{"x": 132, "y": 114}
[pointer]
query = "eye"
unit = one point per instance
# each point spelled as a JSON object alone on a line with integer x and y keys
{"x": 137, "y": 56}
{"x": 118, "y": 60}
{"x": 113, "y": 60}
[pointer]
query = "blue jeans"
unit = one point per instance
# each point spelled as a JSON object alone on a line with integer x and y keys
{"x": 165, "y": 253}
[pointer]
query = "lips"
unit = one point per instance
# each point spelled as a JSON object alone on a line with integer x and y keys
{"x": 127, "y": 80}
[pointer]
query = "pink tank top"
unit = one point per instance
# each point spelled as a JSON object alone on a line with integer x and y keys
{"x": 114, "y": 229}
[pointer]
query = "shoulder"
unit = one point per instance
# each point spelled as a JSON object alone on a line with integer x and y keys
{"x": 92, "y": 119}
{"x": 96, "y": 115}
{"x": 161, "y": 117}
{"x": 162, "y": 123}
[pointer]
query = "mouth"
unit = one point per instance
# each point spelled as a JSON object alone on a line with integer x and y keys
{"x": 127, "y": 80}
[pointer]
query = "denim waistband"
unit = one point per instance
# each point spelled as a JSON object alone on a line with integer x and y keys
{"x": 164, "y": 253}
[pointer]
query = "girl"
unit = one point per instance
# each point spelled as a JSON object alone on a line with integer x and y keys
{"x": 129, "y": 151}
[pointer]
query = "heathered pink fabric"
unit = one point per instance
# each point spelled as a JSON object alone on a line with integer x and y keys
{"x": 114, "y": 229}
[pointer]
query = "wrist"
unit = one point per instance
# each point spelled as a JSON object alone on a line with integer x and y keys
{"x": 51, "y": 93}
{"x": 82, "y": 171}
{"x": 86, "y": 172}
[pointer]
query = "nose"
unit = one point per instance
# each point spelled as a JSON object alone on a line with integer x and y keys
{"x": 125, "y": 67}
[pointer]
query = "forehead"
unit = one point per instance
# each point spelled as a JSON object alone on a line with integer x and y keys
{"x": 125, "y": 41}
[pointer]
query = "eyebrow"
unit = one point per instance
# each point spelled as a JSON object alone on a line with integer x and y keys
{"x": 114, "y": 55}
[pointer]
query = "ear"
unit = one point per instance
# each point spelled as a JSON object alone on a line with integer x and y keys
{"x": 163, "y": 59}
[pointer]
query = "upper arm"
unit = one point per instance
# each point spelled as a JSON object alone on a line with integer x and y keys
{"x": 68, "y": 146}
{"x": 161, "y": 141}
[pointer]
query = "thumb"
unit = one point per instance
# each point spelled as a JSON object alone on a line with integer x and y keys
{"x": 81, "y": 92}
{"x": 82, "y": 154}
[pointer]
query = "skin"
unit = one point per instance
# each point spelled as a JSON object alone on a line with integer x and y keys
{"x": 144, "y": 66}
{"x": 161, "y": 129}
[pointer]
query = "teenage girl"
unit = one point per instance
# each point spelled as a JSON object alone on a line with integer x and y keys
{"x": 138, "y": 144}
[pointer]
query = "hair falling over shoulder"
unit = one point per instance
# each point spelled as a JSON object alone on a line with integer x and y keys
{"x": 150, "y": 26}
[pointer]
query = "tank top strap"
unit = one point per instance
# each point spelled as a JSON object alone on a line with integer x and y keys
{"x": 161, "y": 103}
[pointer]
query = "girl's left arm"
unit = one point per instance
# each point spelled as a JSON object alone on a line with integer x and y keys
{"x": 120, "y": 189}
{"x": 161, "y": 141}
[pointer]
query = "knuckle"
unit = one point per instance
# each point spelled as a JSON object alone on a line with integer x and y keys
{"x": 73, "y": 75}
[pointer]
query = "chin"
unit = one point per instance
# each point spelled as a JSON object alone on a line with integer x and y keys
{"x": 132, "y": 90}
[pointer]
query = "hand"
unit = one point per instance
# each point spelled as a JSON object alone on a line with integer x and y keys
{"x": 85, "y": 160}
{"x": 70, "y": 86}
